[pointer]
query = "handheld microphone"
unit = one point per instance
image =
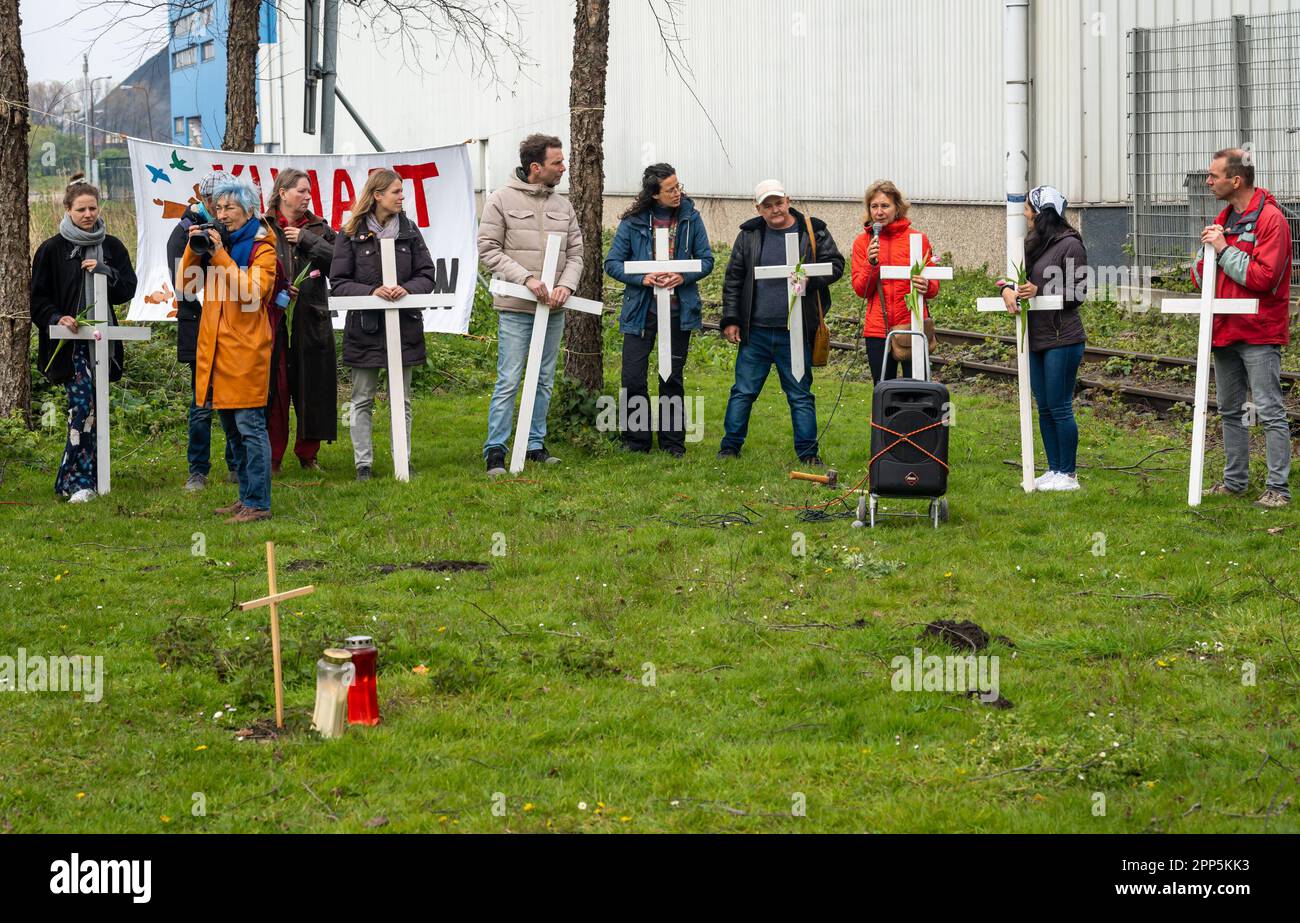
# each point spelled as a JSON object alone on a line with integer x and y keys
{"x": 876, "y": 228}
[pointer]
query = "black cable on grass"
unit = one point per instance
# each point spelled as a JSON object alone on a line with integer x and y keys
{"x": 862, "y": 318}
{"x": 713, "y": 520}
{"x": 825, "y": 514}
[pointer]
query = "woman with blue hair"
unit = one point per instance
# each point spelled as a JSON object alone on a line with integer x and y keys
{"x": 235, "y": 269}
{"x": 198, "y": 450}
{"x": 1057, "y": 265}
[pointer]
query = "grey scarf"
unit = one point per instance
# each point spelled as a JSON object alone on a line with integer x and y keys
{"x": 86, "y": 245}
{"x": 385, "y": 231}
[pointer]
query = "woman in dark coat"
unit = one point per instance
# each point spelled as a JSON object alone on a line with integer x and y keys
{"x": 356, "y": 271}
{"x": 303, "y": 364}
{"x": 1057, "y": 265}
{"x": 661, "y": 203}
{"x": 61, "y": 295}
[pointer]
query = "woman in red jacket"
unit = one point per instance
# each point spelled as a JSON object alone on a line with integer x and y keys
{"x": 886, "y": 241}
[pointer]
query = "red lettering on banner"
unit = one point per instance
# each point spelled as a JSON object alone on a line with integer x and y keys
{"x": 253, "y": 175}
{"x": 340, "y": 204}
{"x": 417, "y": 174}
{"x": 316, "y": 200}
{"x": 257, "y": 184}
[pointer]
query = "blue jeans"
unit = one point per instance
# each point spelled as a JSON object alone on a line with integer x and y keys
{"x": 1052, "y": 376}
{"x": 246, "y": 433}
{"x": 514, "y": 331}
{"x": 199, "y": 450}
{"x": 768, "y": 346}
{"x": 1240, "y": 367}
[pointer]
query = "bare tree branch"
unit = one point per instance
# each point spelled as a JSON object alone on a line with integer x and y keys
{"x": 671, "y": 36}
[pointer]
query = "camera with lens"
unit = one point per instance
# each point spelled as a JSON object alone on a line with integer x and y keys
{"x": 201, "y": 244}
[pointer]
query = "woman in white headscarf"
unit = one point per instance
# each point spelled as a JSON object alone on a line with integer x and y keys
{"x": 1057, "y": 265}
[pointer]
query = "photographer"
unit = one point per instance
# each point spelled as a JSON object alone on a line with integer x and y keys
{"x": 188, "y": 312}
{"x": 234, "y": 267}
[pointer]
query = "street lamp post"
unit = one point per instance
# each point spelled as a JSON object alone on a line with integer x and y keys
{"x": 148, "y": 105}
{"x": 91, "y": 114}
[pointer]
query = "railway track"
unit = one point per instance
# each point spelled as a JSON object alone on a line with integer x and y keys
{"x": 1155, "y": 399}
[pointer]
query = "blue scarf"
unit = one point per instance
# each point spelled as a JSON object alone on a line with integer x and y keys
{"x": 240, "y": 242}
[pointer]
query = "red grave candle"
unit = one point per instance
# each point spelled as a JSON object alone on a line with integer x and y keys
{"x": 363, "y": 694}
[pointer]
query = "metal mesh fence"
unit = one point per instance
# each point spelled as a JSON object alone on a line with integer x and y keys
{"x": 1195, "y": 89}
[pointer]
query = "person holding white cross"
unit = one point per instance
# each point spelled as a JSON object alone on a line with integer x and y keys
{"x": 886, "y": 242}
{"x": 1252, "y": 242}
{"x": 517, "y": 224}
{"x": 62, "y": 295}
{"x": 1056, "y": 264}
{"x": 357, "y": 271}
{"x": 760, "y": 313}
{"x": 660, "y": 217}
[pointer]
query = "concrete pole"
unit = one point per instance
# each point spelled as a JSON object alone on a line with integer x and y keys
{"x": 1015, "y": 43}
{"x": 1016, "y": 68}
{"x": 85, "y": 73}
{"x": 329, "y": 73}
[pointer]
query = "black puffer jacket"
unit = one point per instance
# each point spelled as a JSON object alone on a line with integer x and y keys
{"x": 188, "y": 308}
{"x": 56, "y": 291}
{"x": 355, "y": 271}
{"x": 1059, "y": 268}
{"x": 738, "y": 286}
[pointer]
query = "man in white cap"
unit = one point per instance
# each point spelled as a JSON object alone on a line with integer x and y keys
{"x": 756, "y": 316}
{"x": 188, "y": 311}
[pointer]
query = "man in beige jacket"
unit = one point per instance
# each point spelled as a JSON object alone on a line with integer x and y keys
{"x": 517, "y": 219}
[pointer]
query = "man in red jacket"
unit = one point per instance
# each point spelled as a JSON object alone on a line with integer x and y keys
{"x": 1253, "y": 242}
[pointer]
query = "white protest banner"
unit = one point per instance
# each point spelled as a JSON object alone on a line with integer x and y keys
{"x": 439, "y": 189}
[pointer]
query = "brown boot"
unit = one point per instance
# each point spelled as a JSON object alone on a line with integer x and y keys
{"x": 229, "y": 510}
{"x": 248, "y": 514}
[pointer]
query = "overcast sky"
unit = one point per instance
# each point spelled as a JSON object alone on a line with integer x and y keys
{"x": 116, "y": 44}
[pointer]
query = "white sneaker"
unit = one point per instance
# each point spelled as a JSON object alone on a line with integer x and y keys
{"x": 85, "y": 495}
{"x": 1065, "y": 482}
{"x": 1040, "y": 482}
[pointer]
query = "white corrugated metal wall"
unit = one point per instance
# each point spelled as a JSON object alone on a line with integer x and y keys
{"x": 827, "y": 95}
{"x": 1080, "y": 61}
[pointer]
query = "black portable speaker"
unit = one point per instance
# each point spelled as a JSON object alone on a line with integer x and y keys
{"x": 912, "y": 409}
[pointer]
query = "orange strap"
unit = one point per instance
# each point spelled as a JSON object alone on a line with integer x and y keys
{"x": 905, "y": 437}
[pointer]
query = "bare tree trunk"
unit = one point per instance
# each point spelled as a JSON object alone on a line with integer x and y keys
{"x": 241, "y": 75}
{"x": 584, "y": 361}
{"x": 15, "y": 248}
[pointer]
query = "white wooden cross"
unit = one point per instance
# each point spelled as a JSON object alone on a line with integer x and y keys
{"x": 393, "y": 346}
{"x": 663, "y": 262}
{"x": 797, "y": 366}
{"x": 101, "y": 334}
{"x": 1016, "y": 259}
{"x": 273, "y": 600}
{"x": 915, "y": 256}
{"x": 541, "y": 316}
{"x": 1206, "y": 306}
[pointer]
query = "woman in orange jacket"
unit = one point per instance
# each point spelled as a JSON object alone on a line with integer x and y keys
{"x": 886, "y": 241}
{"x": 233, "y": 265}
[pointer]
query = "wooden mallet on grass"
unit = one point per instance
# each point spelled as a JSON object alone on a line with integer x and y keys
{"x": 831, "y": 478}
{"x": 273, "y": 599}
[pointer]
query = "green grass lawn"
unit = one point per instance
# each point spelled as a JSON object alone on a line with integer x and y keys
{"x": 667, "y": 675}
